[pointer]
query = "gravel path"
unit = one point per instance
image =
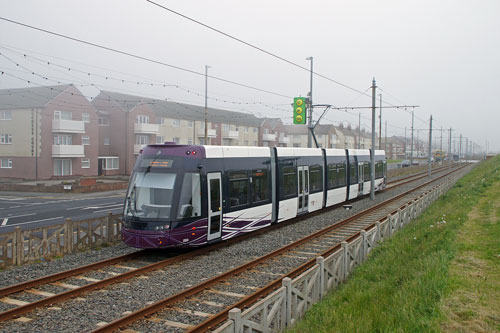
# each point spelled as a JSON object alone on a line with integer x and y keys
{"x": 84, "y": 313}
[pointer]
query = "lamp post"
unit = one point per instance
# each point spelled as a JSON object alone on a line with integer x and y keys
{"x": 206, "y": 99}
{"x": 310, "y": 126}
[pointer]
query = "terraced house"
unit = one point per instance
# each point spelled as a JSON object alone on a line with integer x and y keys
{"x": 47, "y": 132}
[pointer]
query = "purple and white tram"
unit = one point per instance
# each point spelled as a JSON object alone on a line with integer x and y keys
{"x": 188, "y": 196}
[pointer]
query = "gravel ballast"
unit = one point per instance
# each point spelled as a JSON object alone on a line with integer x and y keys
{"x": 83, "y": 314}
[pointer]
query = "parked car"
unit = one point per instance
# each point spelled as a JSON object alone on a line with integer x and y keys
{"x": 405, "y": 163}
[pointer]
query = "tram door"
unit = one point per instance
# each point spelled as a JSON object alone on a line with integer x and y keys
{"x": 214, "y": 205}
{"x": 303, "y": 184}
{"x": 361, "y": 177}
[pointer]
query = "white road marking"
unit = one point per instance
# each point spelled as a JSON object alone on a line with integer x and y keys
{"x": 52, "y": 218}
{"x": 94, "y": 207}
{"x": 11, "y": 217}
{"x": 107, "y": 210}
{"x": 14, "y": 207}
{"x": 4, "y": 222}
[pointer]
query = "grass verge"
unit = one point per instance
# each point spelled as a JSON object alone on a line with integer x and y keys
{"x": 402, "y": 285}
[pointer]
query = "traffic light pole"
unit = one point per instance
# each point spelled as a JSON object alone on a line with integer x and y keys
{"x": 310, "y": 124}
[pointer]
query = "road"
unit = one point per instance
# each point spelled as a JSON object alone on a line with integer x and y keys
{"x": 31, "y": 211}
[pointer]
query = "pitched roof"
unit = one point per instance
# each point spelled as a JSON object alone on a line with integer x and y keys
{"x": 180, "y": 110}
{"x": 33, "y": 97}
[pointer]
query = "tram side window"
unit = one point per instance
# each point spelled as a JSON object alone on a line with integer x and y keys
{"x": 238, "y": 188}
{"x": 353, "y": 173}
{"x": 379, "y": 169}
{"x": 341, "y": 174}
{"x": 336, "y": 175}
{"x": 190, "y": 199}
{"x": 332, "y": 176}
{"x": 316, "y": 178}
{"x": 289, "y": 181}
{"x": 260, "y": 188}
{"x": 367, "y": 172}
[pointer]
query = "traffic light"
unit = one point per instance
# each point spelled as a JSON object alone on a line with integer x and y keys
{"x": 299, "y": 110}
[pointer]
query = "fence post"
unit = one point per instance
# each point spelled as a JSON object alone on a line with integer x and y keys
{"x": 364, "y": 246}
{"x": 235, "y": 316}
{"x": 69, "y": 239}
{"x": 19, "y": 251}
{"x": 378, "y": 236}
{"x": 345, "y": 258}
{"x": 287, "y": 283}
{"x": 390, "y": 225}
{"x": 109, "y": 228}
{"x": 321, "y": 262}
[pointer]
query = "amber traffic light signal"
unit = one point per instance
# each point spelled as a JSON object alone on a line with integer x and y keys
{"x": 299, "y": 110}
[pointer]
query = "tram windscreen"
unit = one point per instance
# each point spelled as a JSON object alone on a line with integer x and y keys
{"x": 151, "y": 195}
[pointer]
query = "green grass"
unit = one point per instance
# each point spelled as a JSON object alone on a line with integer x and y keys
{"x": 402, "y": 284}
{"x": 394, "y": 161}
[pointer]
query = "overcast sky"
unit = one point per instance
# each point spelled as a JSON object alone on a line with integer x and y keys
{"x": 441, "y": 55}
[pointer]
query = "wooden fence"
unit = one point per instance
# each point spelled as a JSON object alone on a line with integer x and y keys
{"x": 288, "y": 304}
{"x": 23, "y": 246}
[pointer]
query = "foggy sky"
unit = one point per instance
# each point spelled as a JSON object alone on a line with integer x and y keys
{"x": 441, "y": 55}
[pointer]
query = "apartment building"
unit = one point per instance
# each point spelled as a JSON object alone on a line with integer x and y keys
{"x": 47, "y": 132}
{"x": 126, "y": 124}
{"x": 273, "y": 133}
{"x": 326, "y": 135}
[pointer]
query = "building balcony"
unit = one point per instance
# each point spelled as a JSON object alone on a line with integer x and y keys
{"x": 230, "y": 135}
{"x": 67, "y": 151}
{"x": 68, "y": 126}
{"x": 268, "y": 137}
{"x": 284, "y": 139}
{"x": 141, "y": 128}
{"x": 211, "y": 133}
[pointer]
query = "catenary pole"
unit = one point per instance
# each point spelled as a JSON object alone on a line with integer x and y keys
{"x": 411, "y": 151}
{"x": 429, "y": 153}
{"x": 205, "y": 142}
{"x": 380, "y": 124}
{"x": 372, "y": 151}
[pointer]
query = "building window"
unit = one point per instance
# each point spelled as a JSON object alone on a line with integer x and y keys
{"x": 110, "y": 163}
{"x": 176, "y": 140}
{"x": 85, "y": 140}
{"x": 62, "y": 167}
{"x": 255, "y": 129}
{"x": 160, "y": 120}
{"x": 142, "y": 119}
{"x": 6, "y": 163}
{"x": 190, "y": 123}
{"x": 266, "y": 130}
{"x": 255, "y": 143}
{"x": 106, "y": 141}
{"x": 63, "y": 115}
{"x": 226, "y": 142}
{"x": 142, "y": 139}
{"x": 246, "y": 129}
{"x": 226, "y": 127}
{"x": 103, "y": 121}
{"x": 202, "y": 141}
{"x": 246, "y": 142}
{"x": 5, "y": 115}
{"x": 63, "y": 140}
{"x": 6, "y": 139}
{"x": 85, "y": 163}
{"x": 160, "y": 140}
{"x": 176, "y": 122}
{"x": 190, "y": 141}
{"x": 86, "y": 117}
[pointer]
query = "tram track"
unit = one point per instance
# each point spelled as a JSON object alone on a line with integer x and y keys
{"x": 323, "y": 242}
{"x": 94, "y": 285}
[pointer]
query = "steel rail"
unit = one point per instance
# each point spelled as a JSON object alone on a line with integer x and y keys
{"x": 262, "y": 292}
{"x": 157, "y": 306}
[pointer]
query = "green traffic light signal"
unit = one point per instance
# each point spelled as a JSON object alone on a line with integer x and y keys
{"x": 299, "y": 110}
